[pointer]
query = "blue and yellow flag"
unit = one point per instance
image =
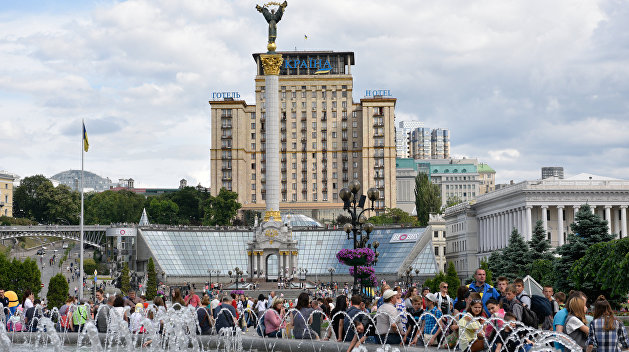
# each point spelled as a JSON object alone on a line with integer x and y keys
{"x": 86, "y": 144}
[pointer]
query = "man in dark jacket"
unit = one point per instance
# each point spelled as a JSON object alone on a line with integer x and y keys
{"x": 225, "y": 314}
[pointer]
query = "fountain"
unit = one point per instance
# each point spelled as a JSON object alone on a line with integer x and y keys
{"x": 175, "y": 329}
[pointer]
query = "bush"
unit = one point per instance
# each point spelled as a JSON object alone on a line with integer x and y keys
{"x": 57, "y": 291}
{"x": 89, "y": 265}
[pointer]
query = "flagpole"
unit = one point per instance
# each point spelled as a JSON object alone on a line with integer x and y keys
{"x": 81, "y": 227}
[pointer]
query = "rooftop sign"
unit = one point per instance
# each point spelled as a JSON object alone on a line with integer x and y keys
{"x": 404, "y": 237}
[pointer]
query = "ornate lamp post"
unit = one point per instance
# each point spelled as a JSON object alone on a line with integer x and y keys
{"x": 238, "y": 273}
{"x": 409, "y": 273}
{"x": 214, "y": 272}
{"x": 353, "y": 203}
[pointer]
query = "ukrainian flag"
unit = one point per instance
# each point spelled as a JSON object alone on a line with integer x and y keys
{"x": 86, "y": 144}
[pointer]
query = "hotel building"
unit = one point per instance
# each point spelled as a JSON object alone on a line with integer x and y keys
{"x": 326, "y": 139}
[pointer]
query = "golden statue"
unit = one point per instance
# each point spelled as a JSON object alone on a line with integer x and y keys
{"x": 272, "y": 17}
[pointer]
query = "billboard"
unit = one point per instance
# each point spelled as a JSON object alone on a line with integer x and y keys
{"x": 122, "y": 232}
{"x": 404, "y": 237}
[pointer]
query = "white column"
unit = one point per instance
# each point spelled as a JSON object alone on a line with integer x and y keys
{"x": 623, "y": 220}
{"x": 523, "y": 221}
{"x": 575, "y": 210}
{"x": 481, "y": 235}
{"x": 544, "y": 217}
{"x": 528, "y": 222}
{"x": 560, "y": 225}
{"x": 608, "y": 217}
{"x": 593, "y": 208}
{"x": 272, "y": 144}
{"x": 494, "y": 231}
{"x": 501, "y": 229}
{"x": 254, "y": 258}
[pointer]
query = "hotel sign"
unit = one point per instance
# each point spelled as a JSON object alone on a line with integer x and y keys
{"x": 323, "y": 67}
{"x": 378, "y": 92}
{"x": 219, "y": 95}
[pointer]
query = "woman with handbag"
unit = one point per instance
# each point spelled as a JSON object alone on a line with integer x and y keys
{"x": 576, "y": 324}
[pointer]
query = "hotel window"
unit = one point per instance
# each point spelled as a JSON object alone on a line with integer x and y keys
{"x": 294, "y": 166}
{"x": 283, "y": 94}
{"x": 253, "y": 186}
{"x": 314, "y": 93}
{"x": 314, "y": 125}
{"x": 344, "y": 94}
{"x": 354, "y": 114}
{"x": 294, "y": 175}
{"x": 293, "y": 124}
{"x": 355, "y": 134}
{"x": 283, "y": 105}
{"x": 314, "y": 145}
{"x": 303, "y": 94}
{"x": 355, "y": 175}
{"x": 253, "y": 135}
{"x": 294, "y": 186}
{"x": 324, "y": 105}
{"x": 294, "y": 197}
{"x": 294, "y": 135}
{"x": 253, "y": 125}
{"x": 253, "y": 115}
{"x": 344, "y": 104}
{"x": 314, "y": 197}
{"x": 253, "y": 176}
{"x": 253, "y": 197}
{"x": 323, "y": 94}
{"x": 314, "y": 105}
{"x": 294, "y": 95}
{"x": 344, "y": 114}
{"x": 294, "y": 145}
{"x": 334, "y": 175}
{"x": 314, "y": 134}
{"x": 354, "y": 124}
{"x": 253, "y": 146}
{"x": 334, "y": 95}
{"x": 303, "y": 105}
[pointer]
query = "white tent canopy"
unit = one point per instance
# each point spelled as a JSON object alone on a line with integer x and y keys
{"x": 531, "y": 286}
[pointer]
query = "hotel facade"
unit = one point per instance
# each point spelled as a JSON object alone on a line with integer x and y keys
{"x": 326, "y": 139}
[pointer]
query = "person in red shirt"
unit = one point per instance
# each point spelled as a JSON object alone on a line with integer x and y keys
{"x": 235, "y": 305}
{"x": 192, "y": 299}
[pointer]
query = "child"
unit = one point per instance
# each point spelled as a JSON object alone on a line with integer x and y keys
{"x": 431, "y": 327}
{"x": 470, "y": 326}
{"x": 506, "y": 338}
{"x": 497, "y": 313}
{"x": 412, "y": 329}
{"x": 560, "y": 298}
{"x": 359, "y": 337}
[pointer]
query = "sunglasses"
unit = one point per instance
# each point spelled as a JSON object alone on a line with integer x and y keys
{"x": 444, "y": 287}
{"x": 477, "y": 301}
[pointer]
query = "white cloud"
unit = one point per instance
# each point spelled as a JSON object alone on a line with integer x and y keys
{"x": 520, "y": 84}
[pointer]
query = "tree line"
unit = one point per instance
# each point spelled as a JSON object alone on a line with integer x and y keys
{"x": 38, "y": 200}
{"x": 591, "y": 260}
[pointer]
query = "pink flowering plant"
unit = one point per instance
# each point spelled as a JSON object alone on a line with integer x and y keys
{"x": 358, "y": 256}
{"x": 237, "y": 292}
{"x": 362, "y": 272}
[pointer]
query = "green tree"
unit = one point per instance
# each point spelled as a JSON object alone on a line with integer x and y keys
{"x": 113, "y": 207}
{"x": 542, "y": 270}
{"x": 453, "y": 200}
{"x": 163, "y": 211}
{"x": 427, "y": 198}
{"x": 37, "y": 199}
{"x": 89, "y": 265}
{"x": 434, "y": 282}
{"x": 496, "y": 262}
{"x": 220, "y": 210}
{"x": 343, "y": 219}
{"x": 597, "y": 272}
{"x": 151, "y": 283}
{"x": 539, "y": 244}
{"x": 514, "y": 258}
{"x": 394, "y": 216}
{"x": 125, "y": 281}
{"x": 588, "y": 230}
{"x": 452, "y": 278}
{"x": 249, "y": 216}
{"x": 188, "y": 199}
{"x": 57, "y": 291}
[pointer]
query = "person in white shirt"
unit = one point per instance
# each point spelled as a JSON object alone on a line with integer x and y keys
{"x": 522, "y": 296}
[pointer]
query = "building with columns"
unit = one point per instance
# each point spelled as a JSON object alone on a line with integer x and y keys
{"x": 475, "y": 229}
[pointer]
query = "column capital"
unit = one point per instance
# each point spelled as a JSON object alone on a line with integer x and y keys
{"x": 529, "y": 207}
{"x": 544, "y": 206}
{"x": 624, "y": 206}
{"x": 607, "y": 206}
{"x": 576, "y": 207}
{"x": 560, "y": 207}
{"x": 271, "y": 63}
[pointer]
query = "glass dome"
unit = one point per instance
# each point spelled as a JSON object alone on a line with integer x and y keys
{"x": 300, "y": 220}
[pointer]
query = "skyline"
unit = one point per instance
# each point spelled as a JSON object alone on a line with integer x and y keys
{"x": 519, "y": 85}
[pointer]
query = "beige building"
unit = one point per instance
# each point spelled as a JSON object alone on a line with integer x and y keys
{"x": 6, "y": 193}
{"x": 487, "y": 178}
{"x": 437, "y": 225}
{"x": 326, "y": 139}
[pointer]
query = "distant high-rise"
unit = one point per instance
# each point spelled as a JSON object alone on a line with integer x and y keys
{"x": 403, "y": 137}
{"x": 440, "y": 143}
{"x": 552, "y": 171}
{"x": 413, "y": 140}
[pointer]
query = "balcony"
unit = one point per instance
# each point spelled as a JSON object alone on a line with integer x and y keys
{"x": 345, "y": 178}
{"x": 226, "y": 126}
{"x": 379, "y": 177}
{"x": 304, "y": 171}
{"x": 344, "y": 138}
{"x": 379, "y": 167}
{"x": 323, "y": 118}
{"x": 344, "y": 157}
{"x": 378, "y": 134}
{"x": 226, "y": 167}
{"x": 345, "y": 148}
{"x": 304, "y": 118}
{"x": 263, "y": 139}
{"x": 325, "y": 169}
{"x": 263, "y": 180}
{"x": 226, "y": 136}
{"x": 226, "y": 178}
{"x": 324, "y": 128}
{"x": 378, "y": 124}
{"x": 324, "y": 138}
{"x": 283, "y": 139}
{"x": 344, "y": 128}
{"x": 263, "y": 190}
{"x": 263, "y": 170}
{"x": 344, "y": 118}
{"x": 262, "y": 119}
{"x": 304, "y": 129}
{"x": 226, "y": 147}
{"x": 304, "y": 158}
{"x": 304, "y": 139}
{"x": 283, "y": 150}
{"x": 226, "y": 116}
{"x": 345, "y": 168}
{"x": 284, "y": 169}
{"x": 283, "y": 128}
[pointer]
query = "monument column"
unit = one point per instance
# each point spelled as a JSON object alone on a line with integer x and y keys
{"x": 271, "y": 64}
{"x": 560, "y": 225}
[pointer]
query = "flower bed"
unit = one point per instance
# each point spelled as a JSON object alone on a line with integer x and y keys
{"x": 237, "y": 292}
{"x": 362, "y": 272}
{"x": 356, "y": 257}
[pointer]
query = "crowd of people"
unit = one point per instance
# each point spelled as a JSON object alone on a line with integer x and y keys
{"x": 480, "y": 317}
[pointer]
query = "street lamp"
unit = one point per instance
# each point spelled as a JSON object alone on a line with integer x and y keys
{"x": 238, "y": 273}
{"x": 331, "y": 270}
{"x": 353, "y": 202}
{"x": 409, "y": 272}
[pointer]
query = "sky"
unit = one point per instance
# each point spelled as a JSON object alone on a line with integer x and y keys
{"x": 519, "y": 84}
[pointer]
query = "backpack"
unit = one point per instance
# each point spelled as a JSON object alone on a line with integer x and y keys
{"x": 79, "y": 316}
{"x": 261, "y": 328}
{"x": 529, "y": 318}
{"x": 540, "y": 305}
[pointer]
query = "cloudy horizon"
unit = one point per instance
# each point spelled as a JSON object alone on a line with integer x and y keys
{"x": 520, "y": 85}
